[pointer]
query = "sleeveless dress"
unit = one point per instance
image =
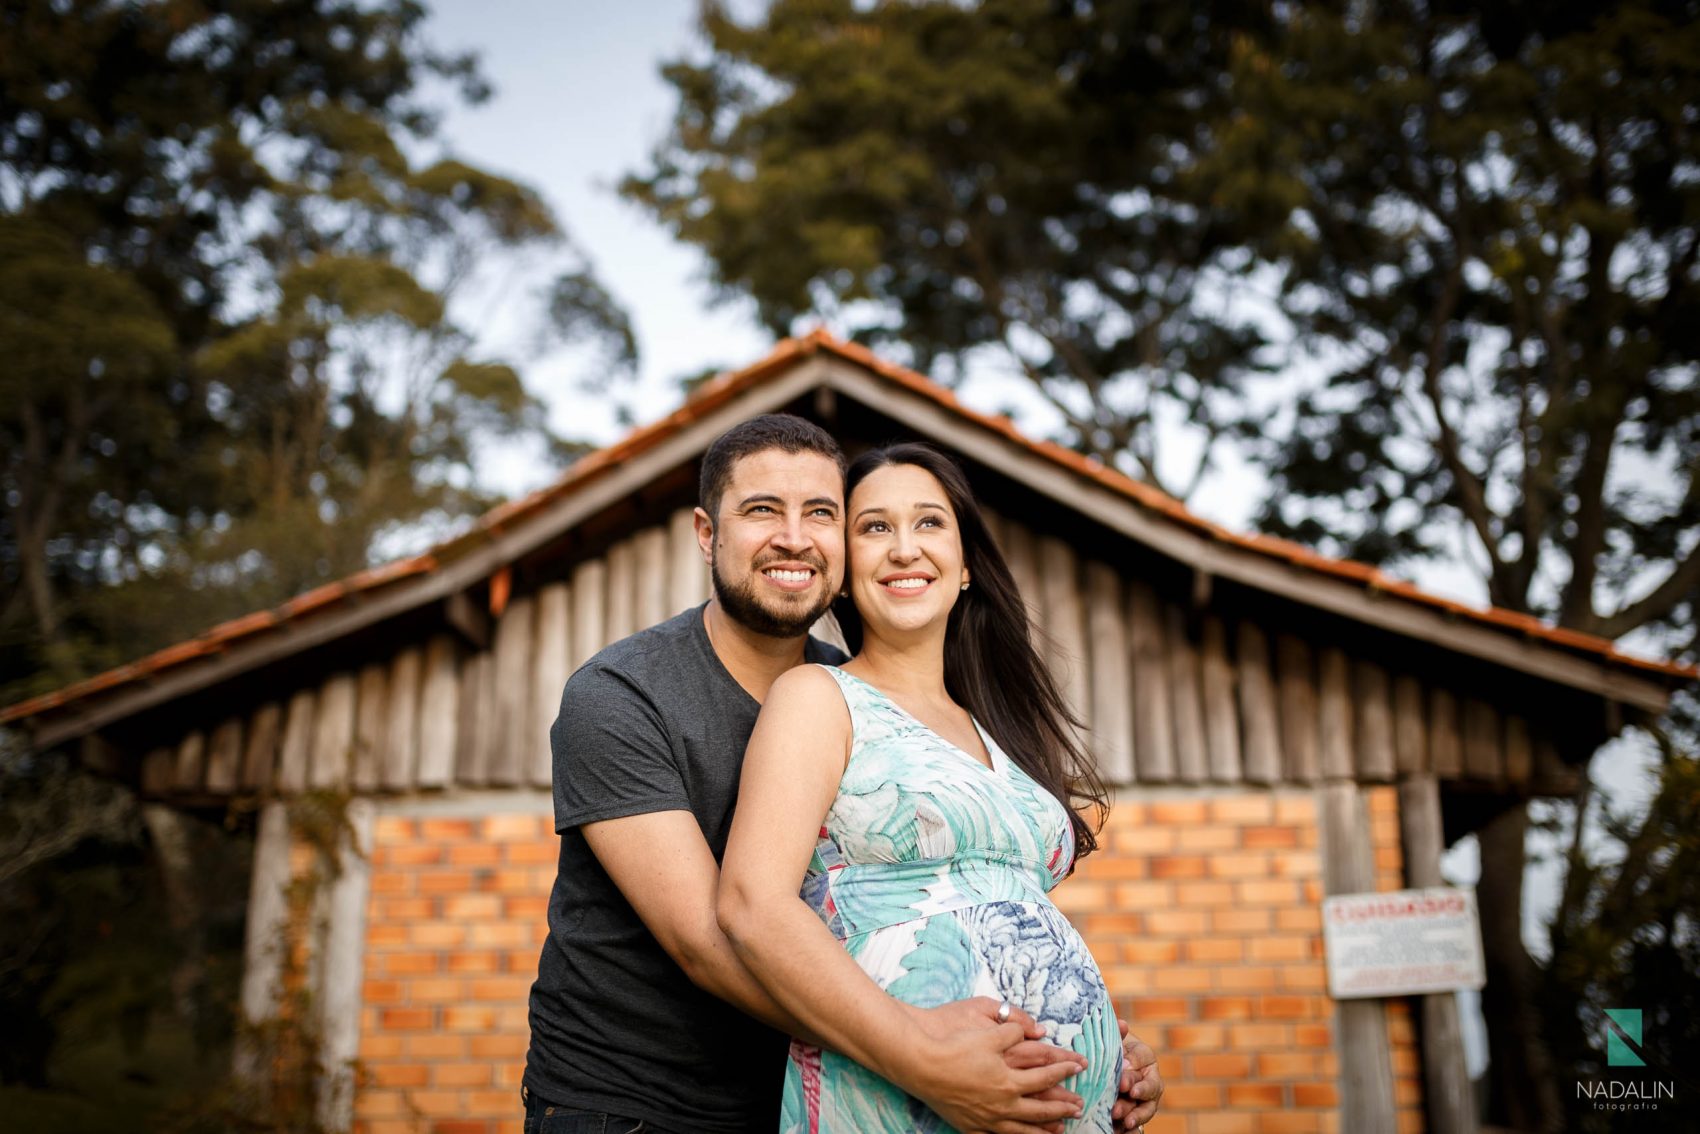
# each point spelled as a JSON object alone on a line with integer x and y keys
{"x": 933, "y": 869}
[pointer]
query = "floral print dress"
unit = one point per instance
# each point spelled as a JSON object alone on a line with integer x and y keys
{"x": 933, "y": 869}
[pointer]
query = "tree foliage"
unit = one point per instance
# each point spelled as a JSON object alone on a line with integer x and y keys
{"x": 228, "y": 239}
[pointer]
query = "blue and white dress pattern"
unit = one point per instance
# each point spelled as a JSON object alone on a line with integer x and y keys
{"x": 933, "y": 869}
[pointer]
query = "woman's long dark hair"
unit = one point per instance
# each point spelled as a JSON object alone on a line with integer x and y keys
{"x": 990, "y": 665}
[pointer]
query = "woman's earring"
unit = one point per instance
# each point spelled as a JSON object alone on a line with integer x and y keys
{"x": 964, "y": 586}
{"x": 845, "y": 593}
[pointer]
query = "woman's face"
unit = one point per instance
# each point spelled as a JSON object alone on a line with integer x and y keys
{"x": 905, "y": 566}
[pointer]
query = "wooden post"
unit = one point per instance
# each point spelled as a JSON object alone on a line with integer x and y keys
{"x": 438, "y": 707}
{"x": 1153, "y": 728}
{"x": 473, "y": 723}
{"x": 622, "y": 590}
{"x": 1360, "y": 1025}
{"x": 1064, "y": 622}
{"x": 1297, "y": 682}
{"x": 371, "y": 714}
{"x": 1192, "y": 764}
{"x": 296, "y": 748}
{"x": 157, "y": 768}
{"x": 1262, "y": 735}
{"x": 1482, "y": 741}
{"x": 1335, "y": 714}
{"x": 1221, "y": 714}
{"x": 1019, "y": 553}
{"x": 268, "y": 923}
{"x": 1445, "y": 750}
{"x": 550, "y": 669}
{"x": 1410, "y": 726}
{"x": 651, "y": 580}
{"x": 513, "y": 723}
{"x": 589, "y": 619}
{"x": 687, "y": 574}
{"x": 259, "y": 754}
{"x": 189, "y": 763}
{"x": 1111, "y": 680}
{"x": 1375, "y": 746}
{"x": 401, "y": 728}
{"x": 1519, "y": 753}
{"x": 1451, "y": 1104}
{"x": 224, "y": 756}
{"x": 339, "y": 996}
{"x": 333, "y": 732}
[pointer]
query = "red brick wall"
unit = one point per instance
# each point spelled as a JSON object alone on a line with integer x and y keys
{"x": 1203, "y": 910}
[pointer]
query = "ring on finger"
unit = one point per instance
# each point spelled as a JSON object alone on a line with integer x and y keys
{"x": 1003, "y": 1018}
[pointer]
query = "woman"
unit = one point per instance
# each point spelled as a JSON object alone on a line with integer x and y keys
{"x": 923, "y": 798}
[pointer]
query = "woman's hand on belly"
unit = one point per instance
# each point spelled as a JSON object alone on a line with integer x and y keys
{"x": 978, "y": 1074}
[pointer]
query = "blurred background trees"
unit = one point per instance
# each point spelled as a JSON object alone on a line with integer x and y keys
{"x": 1465, "y": 234}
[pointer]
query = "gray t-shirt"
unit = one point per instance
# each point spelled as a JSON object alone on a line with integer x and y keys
{"x": 652, "y": 723}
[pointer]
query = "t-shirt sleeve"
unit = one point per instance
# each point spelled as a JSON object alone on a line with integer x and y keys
{"x": 612, "y": 754}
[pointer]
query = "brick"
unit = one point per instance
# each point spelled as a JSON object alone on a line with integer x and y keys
{"x": 1208, "y": 838}
{"x": 377, "y": 1046}
{"x": 1262, "y": 1096}
{"x": 1269, "y": 838}
{"x": 1143, "y": 952}
{"x": 1144, "y": 895}
{"x": 472, "y": 907}
{"x": 445, "y": 830}
{"x": 525, "y": 960}
{"x": 1177, "y": 812}
{"x": 1289, "y": 1122}
{"x": 460, "y": 1126}
{"x": 1175, "y": 923}
{"x": 1405, "y": 1061}
{"x": 1183, "y": 978}
{"x": 402, "y": 909}
{"x": 500, "y": 1046}
{"x": 1311, "y": 888}
{"x": 1387, "y": 858}
{"x": 400, "y": 1074}
{"x": 437, "y": 1045}
{"x": 1315, "y": 1094}
{"x": 1215, "y": 949}
{"x": 1266, "y": 892}
{"x": 1206, "y": 893}
{"x": 475, "y": 854}
{"x": 1259, "y": 1035}
{"x": 1191, "y": 1096}
{"x": 1195, "y": 1037}
{"x": 1178, "y": 866}
{"x": 406, "y": 1019}
{"x": 380, "y": 991}
{"x": 1107, "y": 868}
{"x": 377, "y": 1104}
{"x": 499, "y": 933}
{"x": 393, "y": 829}
{"x": 1247, "y": 978}
{"x": 1127, "y": 812}
{"x": 436, "y": 990}
{"x": 408, "y": 854}
{"x": 533, "y": 854}
{"x": 1243, "y": 809}
{"x": 462, "y": 1075}
{"x": 1295, "y": 810}
{"x": 530, "y": 907}
{"x": 1225, "y": 1008}
{"x": 1288, "y": 1064}
{"x": 516, "y": 828}
{"x": 1313, "y": 1035}
{"x": 1111, "y": 925}
{"x": 1298, "y": 864}
{"x": 1159, "y": 1008}
{"x": 469, "y": 1018}
{"x": 473, "y": 962}
{"x": 1141, "y": 841}
{"x": 513, "y": 880}
{"x": 1247, "y": 865}
{"x": 1225, "y": 1122}
{"x": 1127, "y": 980}
{"x": 1278, "y": 948}
{"x": 1407, "y": 1092}
{"x": 391, "y": 882}
{"x": 436, "y": 934}
{"x": 490, "y": 1102}
{"x": 438, "y": 1104}
{"x": 508, "y": 988}
{"x": 1302, "y": 919}
{"x": 384, "y": 936}
{"x": 1303, "y": 978}
{"x": 1240, "y": 920}
{"x": 1220, "y": 1065}
{"x": 1284, "y": 1007}
{"x": 446, "y": 882}
{"x": 407, "y": 964}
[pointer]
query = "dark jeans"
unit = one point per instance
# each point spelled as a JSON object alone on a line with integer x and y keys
{"x": 546, "y": 1118}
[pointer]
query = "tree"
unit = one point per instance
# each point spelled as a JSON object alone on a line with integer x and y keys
{"x": 229, "y": 240}
{"x": 1007, "y": 177}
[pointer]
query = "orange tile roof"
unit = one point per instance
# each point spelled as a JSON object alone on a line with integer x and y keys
{"x": 719, "y": 391}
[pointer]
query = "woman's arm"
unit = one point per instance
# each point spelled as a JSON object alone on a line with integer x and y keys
{"x": 795, "y": 759}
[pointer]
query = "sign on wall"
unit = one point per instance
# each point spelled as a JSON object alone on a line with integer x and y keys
{"x": 1402, "y": 942}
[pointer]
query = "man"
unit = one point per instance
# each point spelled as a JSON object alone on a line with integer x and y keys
{"x": 642, "y": 1017}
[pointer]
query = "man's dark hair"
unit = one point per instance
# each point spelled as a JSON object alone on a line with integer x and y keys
{"x": 783, "y": 431}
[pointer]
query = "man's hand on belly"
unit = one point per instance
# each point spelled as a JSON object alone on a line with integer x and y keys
{"x": 982, "y": 1075}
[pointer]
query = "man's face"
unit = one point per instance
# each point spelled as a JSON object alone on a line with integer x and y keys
{"x": 776, "y": 550}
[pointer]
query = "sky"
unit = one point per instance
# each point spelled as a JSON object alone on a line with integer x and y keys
{"x": 579, "y": 102}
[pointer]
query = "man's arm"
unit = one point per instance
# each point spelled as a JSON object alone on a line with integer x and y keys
{"x": 663, "y": 866}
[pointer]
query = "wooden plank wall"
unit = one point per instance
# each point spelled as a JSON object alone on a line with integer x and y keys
{"x": 1169, "y": 692}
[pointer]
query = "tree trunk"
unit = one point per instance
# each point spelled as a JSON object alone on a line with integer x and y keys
{"x": 1522, "y": 1092}
{"x": 170, "y": 838}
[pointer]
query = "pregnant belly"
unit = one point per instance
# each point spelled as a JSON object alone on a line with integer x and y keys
{"x": 1024, "y": 951}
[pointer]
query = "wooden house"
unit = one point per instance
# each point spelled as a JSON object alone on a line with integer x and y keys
{"x": 1276, "y": 726}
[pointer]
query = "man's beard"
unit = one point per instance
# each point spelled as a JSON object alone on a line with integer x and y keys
{"x": 744, "y": 608}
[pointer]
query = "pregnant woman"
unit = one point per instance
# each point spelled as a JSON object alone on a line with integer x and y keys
{"x": 901, "y": 819}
